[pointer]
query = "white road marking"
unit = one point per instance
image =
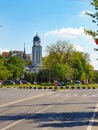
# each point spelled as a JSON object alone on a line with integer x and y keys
{"x": 67, "y": 95}
{"x": 92, "y": 118}
{"x": 57, "y": 95}
{"x": 18, "y": 101}
{"x": 93, "y": 95}
{"x": 75, "y": 95}
{"x": 42, "y": 110}
{"x": 84, "y": 95}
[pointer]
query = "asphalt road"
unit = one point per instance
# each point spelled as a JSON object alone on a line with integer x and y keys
{"x": 30, "y": 109}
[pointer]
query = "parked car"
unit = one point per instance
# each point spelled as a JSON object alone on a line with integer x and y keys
{"x": 25, "y": 82}
{"x": 77, "y": 82}
{"x": 18, "y": 82}
{"x": 56, "y": 83}
{"x": 8, "y": 82}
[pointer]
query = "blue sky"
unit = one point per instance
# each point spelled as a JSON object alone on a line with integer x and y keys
{"x": 52, "y": 19}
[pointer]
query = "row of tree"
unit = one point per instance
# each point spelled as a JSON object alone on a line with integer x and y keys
{"x": 62, "y": 63}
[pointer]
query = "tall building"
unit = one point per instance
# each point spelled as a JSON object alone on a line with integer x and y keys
{"x": 36, "y": 54}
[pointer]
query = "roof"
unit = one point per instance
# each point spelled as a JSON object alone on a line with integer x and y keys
{"x": 36, "y": 38}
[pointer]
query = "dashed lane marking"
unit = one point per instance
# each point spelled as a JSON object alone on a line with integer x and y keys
{"x": 42, "y": 110}
{"x": 22, "y": 100}
{"x": 92, "y": 118}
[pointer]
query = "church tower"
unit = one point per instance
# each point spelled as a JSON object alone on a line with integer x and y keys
{"x": 36, "y": 53}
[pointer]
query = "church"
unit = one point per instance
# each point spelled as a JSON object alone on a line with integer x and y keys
{"x": 36, "y": 55}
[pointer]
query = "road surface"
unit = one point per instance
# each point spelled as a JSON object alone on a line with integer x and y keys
{"x": 30, "y": 109}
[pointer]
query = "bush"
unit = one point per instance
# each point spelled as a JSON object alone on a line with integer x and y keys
{"x": 70, "y": 83}
{"x": 46, "y": 84}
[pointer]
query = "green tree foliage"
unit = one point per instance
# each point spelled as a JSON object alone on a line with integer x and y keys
{"x": 62, "y": 72}
{"x": 94, "y": 17}
{"x": 31, "y": 77}
{"x": 65, "y": 63}
{"x": 4, "y": 72}
{"x": 44, "y": 75}
{"x": 16, "y": 66}
{"x": 95, "y": 77}
{"x": 79, "y": 60}
{"x": 61, "y": 51}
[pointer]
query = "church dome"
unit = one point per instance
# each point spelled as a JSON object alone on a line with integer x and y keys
{"x": 36, "y": 38}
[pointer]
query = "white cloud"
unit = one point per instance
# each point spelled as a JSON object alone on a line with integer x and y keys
{"x": 78, "y": 48}
{"x": 67, "y": 32}
{"x": 3, "y": 50}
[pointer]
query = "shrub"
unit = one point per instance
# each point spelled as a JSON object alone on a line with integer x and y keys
{"x": 46, "y": 84}
{"x": 70, "y": 83}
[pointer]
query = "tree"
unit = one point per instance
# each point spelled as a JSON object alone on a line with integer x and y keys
{"x": 61, "y": 51}
{"x": 44, "y": 75}
{"x": 94, "y": 17}
{"x": 31, "y": 77}
{"x": 4, "y": 72}
{"x": 62, "y": 72}
{"x": 16, "y": 66}
{"x": 56, "y": 61}
{"x": 64, "y": 62}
